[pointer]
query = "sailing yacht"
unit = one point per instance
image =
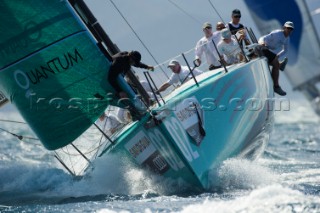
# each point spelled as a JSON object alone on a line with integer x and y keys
{"x": 54, "y": 70}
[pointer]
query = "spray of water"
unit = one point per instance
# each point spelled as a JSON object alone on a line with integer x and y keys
{"x": 241, "y": 174}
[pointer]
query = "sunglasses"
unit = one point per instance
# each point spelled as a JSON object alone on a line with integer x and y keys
{"x": 237, "y": 16}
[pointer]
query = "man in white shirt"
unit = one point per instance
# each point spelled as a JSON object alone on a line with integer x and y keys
{"x": 180, "y": 74}
{"x": 206, "y": 47}
{"x": 113, "y": 119}
{"x": 278, "y": 41}
{"x": 229, "y": 48}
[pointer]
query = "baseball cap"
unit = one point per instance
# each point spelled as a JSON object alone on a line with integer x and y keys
{"x": 173, "y": 63}
{"x": 225, "y": 33}
{"x": 236, "y": 12}
{"x": 289, "y": 24}
{"x": 206, "y": 25}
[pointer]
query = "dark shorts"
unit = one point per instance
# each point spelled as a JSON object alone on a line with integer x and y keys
{"x": 269, "y": 55}
{"x": 212, "y": 67}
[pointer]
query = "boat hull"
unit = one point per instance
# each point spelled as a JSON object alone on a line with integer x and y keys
{"x": 235, "y": 110}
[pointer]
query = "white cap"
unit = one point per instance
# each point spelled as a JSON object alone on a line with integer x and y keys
{"x": 289, "y": 24}
{"x": 225, "y": 33}
{"x": 173, "y": 63}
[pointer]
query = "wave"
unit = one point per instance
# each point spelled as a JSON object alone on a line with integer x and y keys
{"x": 111, "y": 177}
{"x": 296, "y": 111}
{"x": 241, "y": 174}
{"x": 272, "y": 198}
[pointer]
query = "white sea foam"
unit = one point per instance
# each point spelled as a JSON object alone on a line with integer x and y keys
{"x": 243, "y": 174}
{"x": 272, "y": 198}
{"x": 26, "y": 169}
{"x": 116, "y": 175}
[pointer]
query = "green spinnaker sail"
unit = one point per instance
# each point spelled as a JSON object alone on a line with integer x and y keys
{"x": 51, "y": 69}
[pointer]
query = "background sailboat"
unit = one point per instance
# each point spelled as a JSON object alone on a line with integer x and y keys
{"x": 304, "y": 52}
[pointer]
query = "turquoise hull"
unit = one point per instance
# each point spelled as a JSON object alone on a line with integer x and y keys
{"x": 235, "y": 110}
{"x": 58, "y": 83}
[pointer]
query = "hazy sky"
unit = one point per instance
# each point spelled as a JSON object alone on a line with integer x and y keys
{"x": 166, "y": 30}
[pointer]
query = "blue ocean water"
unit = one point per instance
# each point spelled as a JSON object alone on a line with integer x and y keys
{"x": 286, "y": 178}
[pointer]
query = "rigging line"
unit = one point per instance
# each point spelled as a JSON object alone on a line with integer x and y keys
{"x": 15, "y": 135}
{"x": 177, "y": 56}
{"x": 104, "y": 127}
{"x": 19, "y": 122}
{"x": 31, "y": 138}
{"x": 20, "y": 137}
{"x": 63, "y": 164}
{"x": 72, "y": 165}
{"x": 185, "y": 12}
{"x": 78, "y": 150}
{"x": 137, "y": 36}
{"x": 216, "y": 12}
